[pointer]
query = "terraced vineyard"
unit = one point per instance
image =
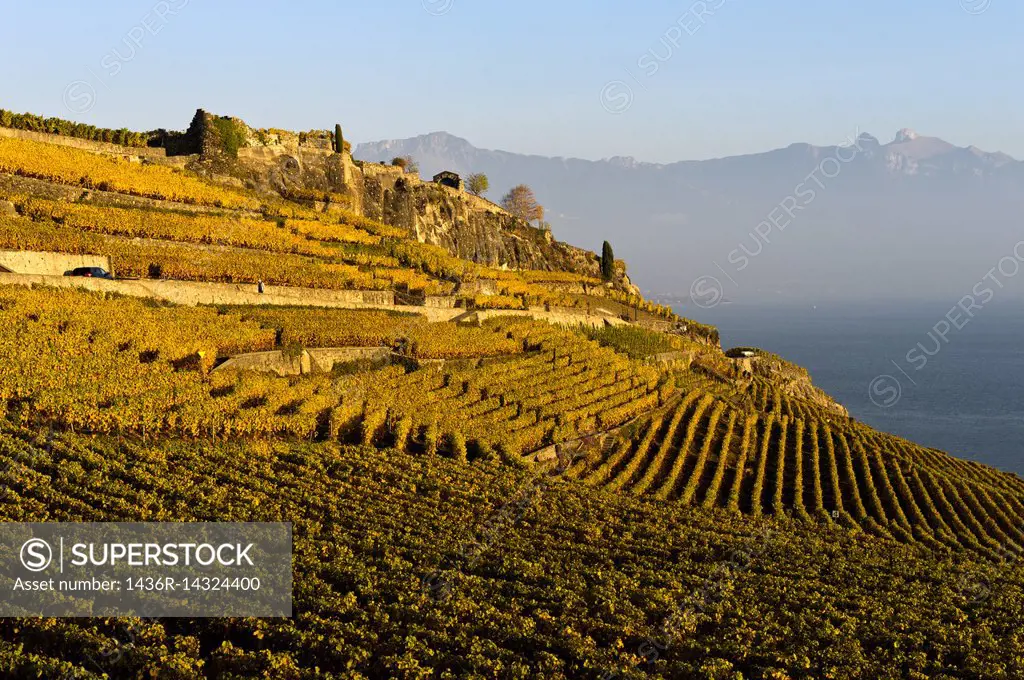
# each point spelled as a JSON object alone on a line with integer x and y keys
{"x": 577, "y": 585}
{"x": 122, "y": 365}
{"x": 576, "y": 492}
{"x": 280, "y": 251}
{"x": 81, "y": 168}
{"x": 764, "y": 396}
{"x": 521, "y": 385}
{"x": 538, "y": 384}
{"x": 279, "y": 236}
{"x": 407, "y": 331}
{"x": 813, "y": 466}
{"x": 286, "y": 260}
{"x": 246, "y": 238}
{"x": 563, "y": 387}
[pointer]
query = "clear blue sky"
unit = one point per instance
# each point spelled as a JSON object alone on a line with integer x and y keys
{"x": 528, "y": 76}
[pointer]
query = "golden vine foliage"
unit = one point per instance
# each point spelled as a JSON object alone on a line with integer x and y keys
{"x": 122, "y": 365}
{"x": 562, "y": 388}
{"x": 196, "y": 262}
{"x": 260, "y": 234}
{"x": 415, "y": 565}
{"x": 111, "y": 364}
{"x": 66, "y": 165}
{"x": 796, "y": 458}
{"x": 411, "y": 333}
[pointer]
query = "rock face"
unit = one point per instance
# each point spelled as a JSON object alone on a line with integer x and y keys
{"x": 467, "y": 226}
{"x": 294, "y": 165}
{"x": 305, "y": 167}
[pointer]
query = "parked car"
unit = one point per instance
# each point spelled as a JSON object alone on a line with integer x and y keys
{"x": 91, "y": 272}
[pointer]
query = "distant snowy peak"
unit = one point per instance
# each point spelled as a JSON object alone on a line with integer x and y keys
{"x": 905, "y": 135}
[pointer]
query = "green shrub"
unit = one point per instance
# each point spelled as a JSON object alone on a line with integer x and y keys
{"x": 58, "y": 126}
{"x": 231, "y": 134}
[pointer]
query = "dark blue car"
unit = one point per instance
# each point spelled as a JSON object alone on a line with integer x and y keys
{"x": 91, "y": 272}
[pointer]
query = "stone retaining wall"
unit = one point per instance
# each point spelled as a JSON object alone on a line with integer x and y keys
{"x": 198, "y": 293}
{"x": 47, "y": 264}
{"x": 564, "y": 319}
{"x": 440, "y": 301}
{"x": 673, "y": 357}
{"x": 309, "y": 361}
{"x": 326, "y": 358}
{"x": 274, "y": 361}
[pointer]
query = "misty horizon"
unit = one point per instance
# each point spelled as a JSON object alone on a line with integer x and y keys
{"x": 915, "y": 218}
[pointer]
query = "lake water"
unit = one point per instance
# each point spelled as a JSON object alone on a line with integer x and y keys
{"x": 954, "y": 383}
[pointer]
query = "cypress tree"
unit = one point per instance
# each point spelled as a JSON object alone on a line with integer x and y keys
{"x": 607, "y": 262}
{"x": 339, "y": 141}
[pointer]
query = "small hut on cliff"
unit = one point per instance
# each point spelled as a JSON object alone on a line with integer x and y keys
{"x": 449, "y": 179}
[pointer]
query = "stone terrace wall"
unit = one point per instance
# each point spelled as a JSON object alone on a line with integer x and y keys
{"x": 85, "y": 144}
{"x": 321, "y": 360}
{"x": 558, "y": 318}
{"x": 195, "y": 293}
{"x": 274, "y": 361}
{"x": 440, "y": 301}
{"x": 47, "y": 264}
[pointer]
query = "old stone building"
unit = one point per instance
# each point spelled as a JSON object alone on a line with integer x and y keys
{"x": 449, "y": 179}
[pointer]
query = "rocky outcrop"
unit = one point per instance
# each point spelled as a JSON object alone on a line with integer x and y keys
{"x": 305, "y": 167}
{"x": 467, "y": 226}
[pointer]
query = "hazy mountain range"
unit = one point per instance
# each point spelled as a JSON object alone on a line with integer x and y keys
{"x": 916, "y": 217}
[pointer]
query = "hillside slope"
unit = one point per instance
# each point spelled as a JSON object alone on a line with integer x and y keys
{"x": 412, "y": 566}
{"x": 257, "y": 167}
{"x": 496, "y": 472}
{"x": 164, "y": 222}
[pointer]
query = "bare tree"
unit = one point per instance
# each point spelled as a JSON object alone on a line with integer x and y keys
{"x": 521, "y": 202}
{"x": 407, "y": 163}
